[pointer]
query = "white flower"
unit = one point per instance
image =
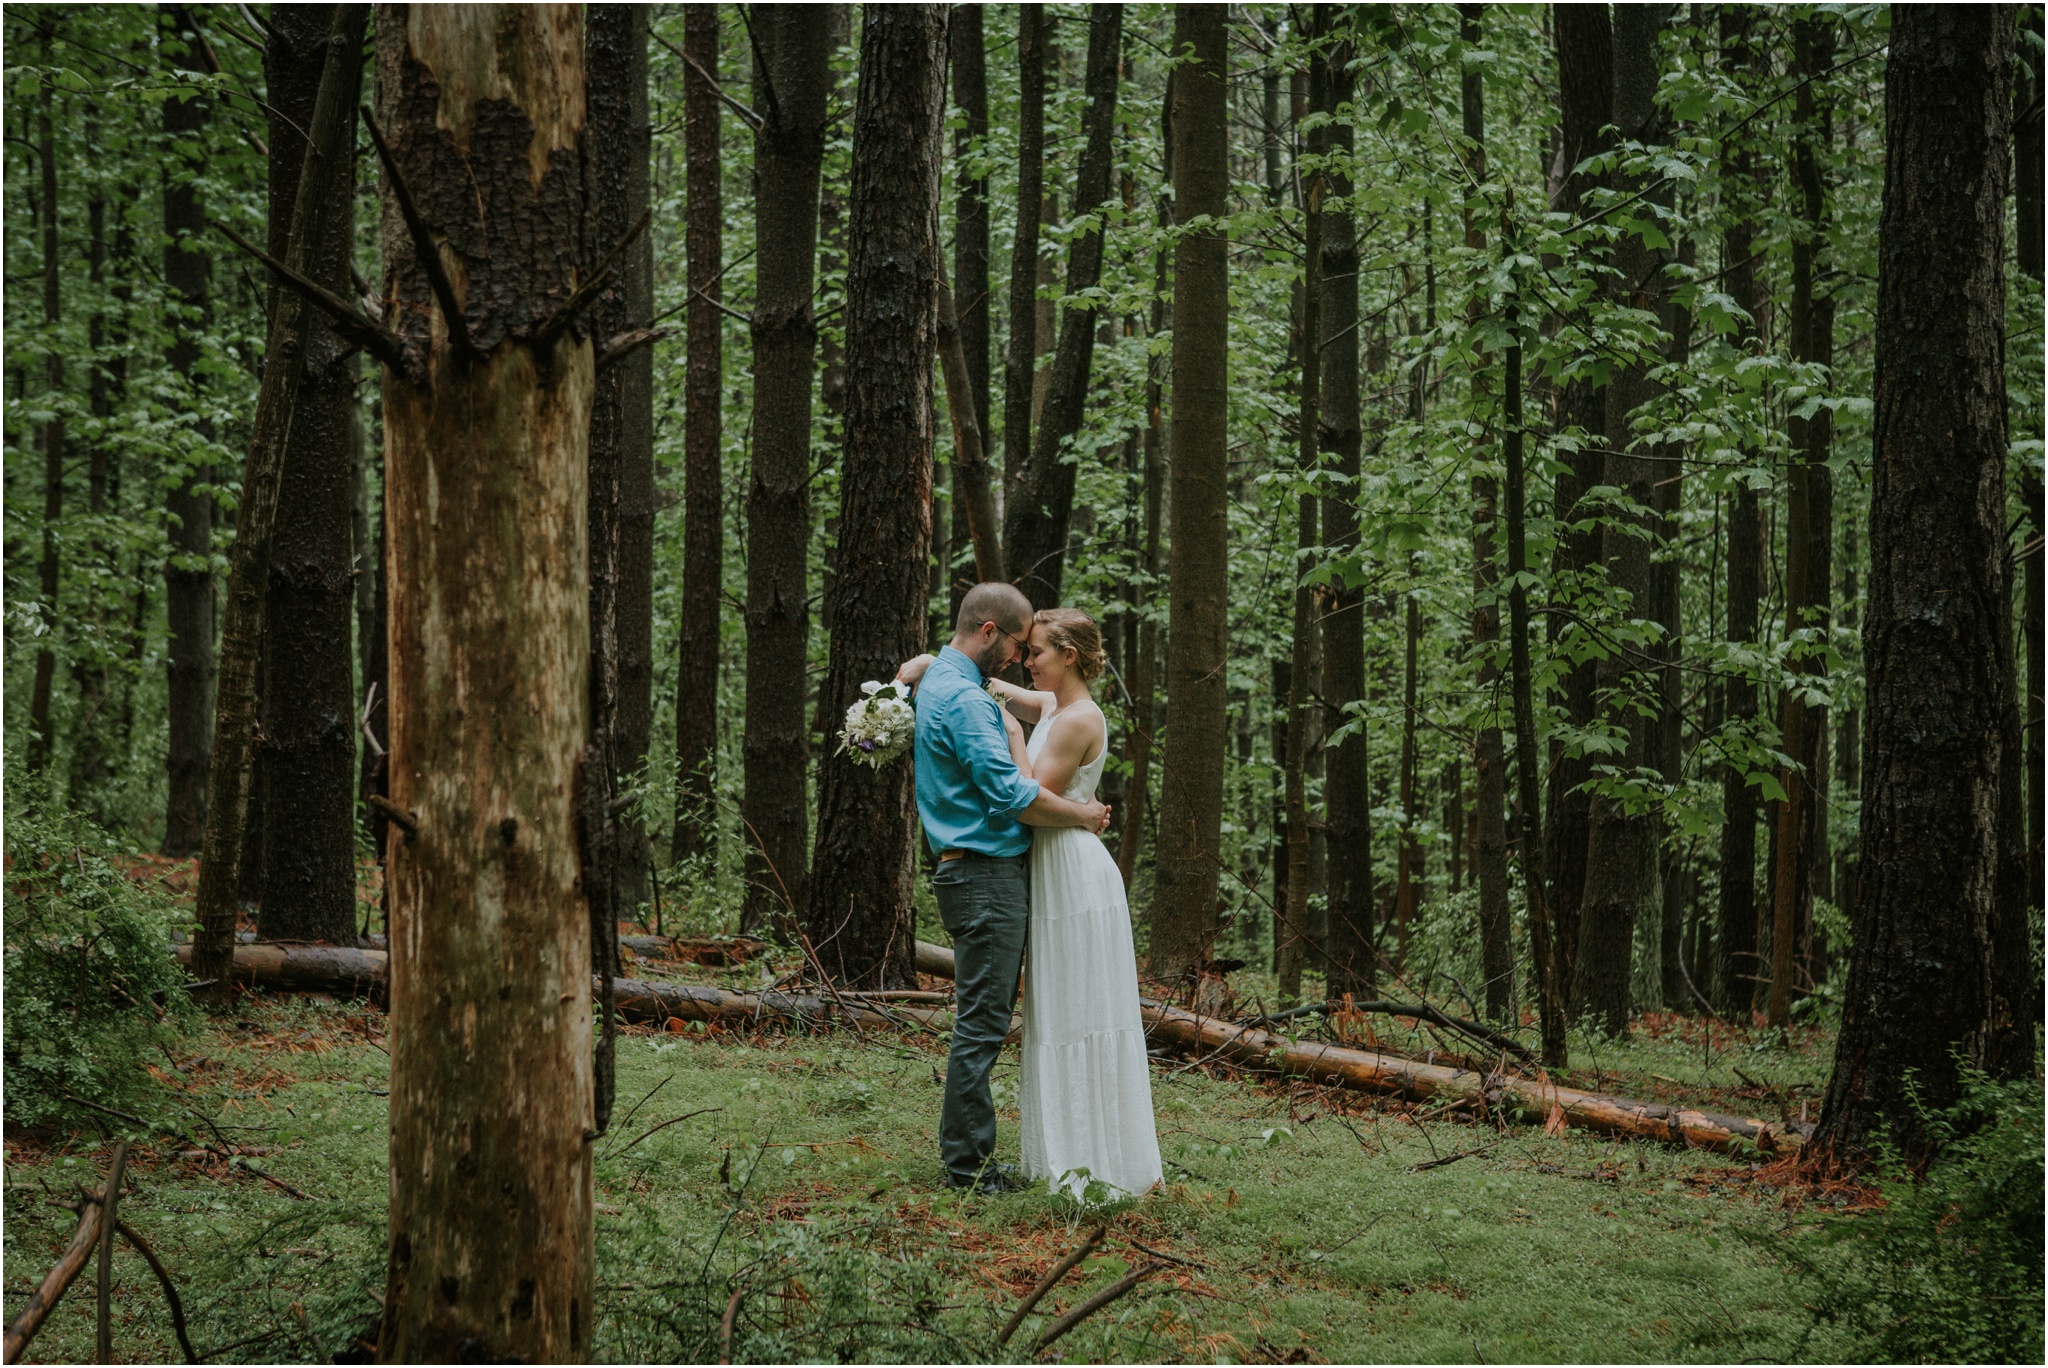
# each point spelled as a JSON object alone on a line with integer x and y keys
{"x": 871, "y": 688}
{"x": 880, "y": 727}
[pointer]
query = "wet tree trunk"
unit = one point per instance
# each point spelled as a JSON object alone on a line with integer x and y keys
{"x": 1041, "y": 493}
{"x": 970, "y": 256}
{"x": 1185, "y": 914}
{"x": 1620, "y": 888}
{"x": 308, "y": 754}
{"x": 861, "y": 914}
{"x": 1490, "y": 843}
{"x": 2028, "y": 158}
{"x": 697, "y": 646}
{"x": 1736, "y": 968}
{"x": 188, "y": 574}
{"x": 622, "y": 433}
{"x": 1585, "y": 62}
{"x": 487, "y": 456}
{"x": 1144, "y": 668}
{"x": 789, "y": 148}
{"x": 1348, "y": 940}
{"x": 1020, "y": 357}
{"x": 1809, "y": 540}
{"x": 53, "y": 430}
{"x": 1924, "y": 992}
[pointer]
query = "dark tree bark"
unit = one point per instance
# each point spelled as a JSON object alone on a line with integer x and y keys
{"x": 308, "y": 753}
{"x": 1348, "y": 941}
{"x": 789, "y": 148}
{"x": 861, "y": 915}
{"x": 1184, "y": 909}
{"x": 1736, "y": 968}
{"x": 622, "y": 433}
{"x": 188, "y": 574}
{"x": 974, "y": 503}
{"x": 1620, "y": 887}
{"x": 1020, "y": 357}
{"x": 1041, "y": 494}
{"x": 1292, "y": 930}
{"x": 1585, "y": 66}
{"x": 487, "y": 421}
{"x": 2035, "y": 602}
{"x": 1144, "y": 666}
{"x": 374, "y": 779}
{"x": 2028, "y": 151}
{"x": 970, "y": 255}
{"x": 1924, "y": 990}
{"x": 1809, "y": 542}
{"x": 1490, "y": 843}
{"x": 696, "y": 820}
{"x": 53, "y": 430}
{"x": 1668, "y": 728}
{"x": 2028, "y": 156}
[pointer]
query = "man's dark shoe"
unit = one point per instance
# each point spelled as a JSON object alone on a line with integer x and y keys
{"x": 994, "y": 1181}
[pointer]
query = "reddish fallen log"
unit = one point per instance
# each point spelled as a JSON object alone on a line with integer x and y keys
{"x": 307, "y": 968}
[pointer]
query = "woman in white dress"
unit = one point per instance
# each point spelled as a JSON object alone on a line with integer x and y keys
{"x": 1086, "y": 1093}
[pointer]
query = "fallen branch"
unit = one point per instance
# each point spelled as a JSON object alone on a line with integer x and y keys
{"x": 44, "y": 1299}
{"x": 110, "y": 1215}
{"x": 1452, "y": 1158}
{"x": 1050, "y": 1280}
{"x": 1092, "y": 1305}
{"x": 156, "y": 1266}
{"x": 1420, "y": 1011}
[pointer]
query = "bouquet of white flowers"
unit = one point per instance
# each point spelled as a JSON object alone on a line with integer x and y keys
{"x": 880, "y": 727}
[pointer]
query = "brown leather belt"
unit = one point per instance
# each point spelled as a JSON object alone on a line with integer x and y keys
{"x": 945, "y": 855}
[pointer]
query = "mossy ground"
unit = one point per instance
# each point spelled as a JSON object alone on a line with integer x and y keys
{"x": 810, "y": 1179}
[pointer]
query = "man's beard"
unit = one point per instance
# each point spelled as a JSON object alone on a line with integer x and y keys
{"x": 990, "y": 661}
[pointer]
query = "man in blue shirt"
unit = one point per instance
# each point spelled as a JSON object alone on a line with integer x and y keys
{"x": 975, "y": 804}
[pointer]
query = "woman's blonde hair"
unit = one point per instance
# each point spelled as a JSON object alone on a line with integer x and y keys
{"x": 1071, "y": 629}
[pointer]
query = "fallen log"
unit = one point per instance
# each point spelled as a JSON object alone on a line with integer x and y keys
{"x": 307, "y": 968}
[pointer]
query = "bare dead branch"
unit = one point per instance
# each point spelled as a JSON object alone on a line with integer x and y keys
{"x": 349, "y": 321}
{"x": 586, "y": 294}
{"x": 1050, "y": 1280}
{"x": 619, "y": 344}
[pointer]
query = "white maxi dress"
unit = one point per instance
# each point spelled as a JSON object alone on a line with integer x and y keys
{"x": 1085, "y": 1098}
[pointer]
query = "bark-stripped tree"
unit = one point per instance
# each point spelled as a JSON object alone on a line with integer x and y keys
{"x": 696, "y": 819}
{"x": 489, "y": 274}
{"x": 862, "y": 919}
{"x": 190, "y": 662}
{"x": 308, "y": 752}
{"x": 1620, "y": 887}
{"x": 1040, "y": 501}
{"x": 1923, "y": 991}
{"x": 791, "y": 77}
{"x": 1184, "y": 907}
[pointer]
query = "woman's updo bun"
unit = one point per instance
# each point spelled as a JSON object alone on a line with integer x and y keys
{"x": 1070, "y": 629}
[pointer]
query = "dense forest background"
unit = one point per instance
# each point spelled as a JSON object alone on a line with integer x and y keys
{"x": 1699, "y": 676}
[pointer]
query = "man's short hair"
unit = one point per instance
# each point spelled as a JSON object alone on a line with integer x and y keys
{"x": 997, "y": 602}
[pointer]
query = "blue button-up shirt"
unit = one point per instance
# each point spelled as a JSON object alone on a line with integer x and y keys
{"x": 969, "y": 789}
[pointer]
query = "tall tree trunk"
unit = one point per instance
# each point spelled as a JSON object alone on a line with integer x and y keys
{"x": 491, "y": 1236}
{"x": 93, "y": 763}
{"x": 696, "y": 819}
{"x": 1668, "y": 728}
{"x": 1809, "y": 539}
{"x": 1736, "y": 968}
{"x": 374, "y": 778}
{"x": 2028, "y": 156}
{"x": 622, "y": 433}
{"x": 862, "y": 915}
{"x": 1144, "y": 668}
{"x": 790, "y": 82}
{"x": 188, "y": 574}
{"x": 1529, "y": 821}
{"x": 1041, "y": 494}
{"x": 295, "y": 349}
{"x": 1924, "y": 992}
{"x": 1620, "y": 888}
{"x": 1020, "y": 357}
{"x": 1585, "y": 65}
{"x": 1348, "y": 941}
{"x": 308, "y": 752}
{"x": 53, "y": 429}
{"x": 1292, "y": 930}
{"x": 1849, "y": 729}
{"x": 970, "y": 253}
{"x": 1490, "y": 844}
{"x": 1185, "y": 912}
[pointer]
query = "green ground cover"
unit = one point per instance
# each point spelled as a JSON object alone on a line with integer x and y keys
{"x": 808, "y": 1180}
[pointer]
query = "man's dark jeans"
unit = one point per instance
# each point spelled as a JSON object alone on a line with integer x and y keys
{"x": 985, "y": 904}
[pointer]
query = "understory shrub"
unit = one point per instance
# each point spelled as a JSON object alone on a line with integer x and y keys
{"x": 91, "y": 988}
{"x": 1950, "y": 1270}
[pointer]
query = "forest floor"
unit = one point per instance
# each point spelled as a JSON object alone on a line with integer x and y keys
{"x": 1307, "y": 1223}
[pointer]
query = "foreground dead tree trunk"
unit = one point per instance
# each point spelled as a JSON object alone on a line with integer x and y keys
{"x": 1937, "y": 631}
{"x": 790, "y": 80}
{"x": 487, "y": 398}
{"x": 308, "y": 755}
{"x": 861, "y": 915}
{"x": 1184, "y": 908}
